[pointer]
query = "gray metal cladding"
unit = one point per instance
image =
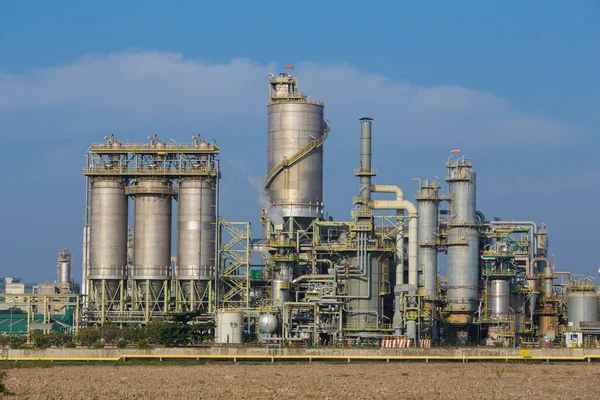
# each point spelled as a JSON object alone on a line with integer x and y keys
{"x": 196, "y": 234}
{"x": 298, "y": 189}
{"x": 582, "y": 306}
{"x": 152, "y": 230}
{"x": 108, "y": 233}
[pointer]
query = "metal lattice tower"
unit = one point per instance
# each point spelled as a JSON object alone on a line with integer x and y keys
{"x": 233, "y": 262}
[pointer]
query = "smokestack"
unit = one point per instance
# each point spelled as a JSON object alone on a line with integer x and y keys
{"x": 365, "y": 172}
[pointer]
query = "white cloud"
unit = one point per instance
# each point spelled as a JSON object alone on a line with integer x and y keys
{"x": 151, "y": 84}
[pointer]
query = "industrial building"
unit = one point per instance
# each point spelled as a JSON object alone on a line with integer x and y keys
{"x": 374, "y": 276}
{"x": 25, "y": 307}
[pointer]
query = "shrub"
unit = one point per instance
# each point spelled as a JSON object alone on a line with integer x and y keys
{"x": 41, "y": 341}
{"x": 88, "y": 336}
{"x": 71, "y": 345}
{"x": 99, "y": 344}
{"x": 122, "y": 343}
{"x": 111, "y": 333}
{"x": 15, "y": 341}
{"x": 57, "y": 339}
{"x": 142, "y": 343}
{"x": 133, "y": 333}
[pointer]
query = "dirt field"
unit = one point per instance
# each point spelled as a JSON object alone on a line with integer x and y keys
{"x": 304, "y": 381}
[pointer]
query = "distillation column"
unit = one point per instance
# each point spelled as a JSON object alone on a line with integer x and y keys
{"x": 427, "y": 205}
{"x": 107, "y": 239}
{"x": 64, "y": 276}
{"x": 463, "y": 242}
{"x": 296, "y": 132}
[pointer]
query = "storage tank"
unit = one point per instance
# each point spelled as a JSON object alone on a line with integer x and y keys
{"x": 229, "y": 326}
{"x": 151, "y": 235}
{"x": 107, "y": 235}
{"x": 498, "y": 298}
{"x": 196, "y": 236}
{"x": 427, "y": 203}
{"x": 294, "y": 122}
{"x": 463, "y": 242}
{"x": 582, "y": 306}
{"x": 267, "y": 323}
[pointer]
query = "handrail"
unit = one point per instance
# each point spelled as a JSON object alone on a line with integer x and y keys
{"x": 288, "y": 162}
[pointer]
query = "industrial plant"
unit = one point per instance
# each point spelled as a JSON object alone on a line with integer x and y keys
{"x": 373, "y": 277}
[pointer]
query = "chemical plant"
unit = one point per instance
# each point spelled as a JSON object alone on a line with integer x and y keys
{"x": 374, "y": 276}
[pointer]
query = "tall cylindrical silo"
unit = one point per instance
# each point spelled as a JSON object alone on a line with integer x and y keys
{"x": 427, "y": 203}
{"x": 151, "y": 235}
{"x": 107, "y": 236}
{"x": 463, "y": 242}
{"x": 196, "y": 236}
{"x": 295, "y": 154}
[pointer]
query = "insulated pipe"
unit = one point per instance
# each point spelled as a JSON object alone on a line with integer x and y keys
{"x": 401, "y": 204}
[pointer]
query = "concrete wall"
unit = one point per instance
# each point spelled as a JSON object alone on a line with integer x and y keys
{"x": 264, "y": 352}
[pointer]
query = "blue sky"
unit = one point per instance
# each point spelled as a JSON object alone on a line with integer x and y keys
{"x": 513, "y": 84}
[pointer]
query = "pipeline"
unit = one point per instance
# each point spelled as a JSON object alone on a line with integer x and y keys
{"x": 401, "y": 204}
{"x": 526, "y": 223}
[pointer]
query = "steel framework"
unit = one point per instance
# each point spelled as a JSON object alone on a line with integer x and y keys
{"x": 233, "y": 261}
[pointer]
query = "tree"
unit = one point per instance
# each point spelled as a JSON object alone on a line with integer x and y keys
{"x": 88, "y": 336}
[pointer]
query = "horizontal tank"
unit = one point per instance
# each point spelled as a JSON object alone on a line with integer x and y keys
{"x": 229, "y": 326}
{"x": 582, "y": 306}
{"x": 107, "y": 236}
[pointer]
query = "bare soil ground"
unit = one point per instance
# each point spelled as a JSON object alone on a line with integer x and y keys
{"x": 308, "y": 381}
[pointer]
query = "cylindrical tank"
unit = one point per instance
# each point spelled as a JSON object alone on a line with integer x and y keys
{"x": 196, "y": 236}
{"x": 462, "y": 271}
{"x": 280, "y": 286}
{"x": 463, "y": 239}
{"x": 427, "y": 204}
{"x": 363, "y": 313}
{"x": 151, "y": 235}
{"x": 229, "y": 327}
{"x": 498, "y": 300}
{"x": 294, "y": 122}
{"x": 582, "y": 306}
{"x": 108, "y": 235}
{"x": 64, "y": 267}
{"x": 267, "y": 323}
